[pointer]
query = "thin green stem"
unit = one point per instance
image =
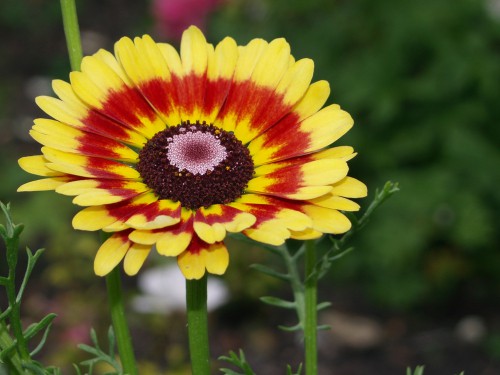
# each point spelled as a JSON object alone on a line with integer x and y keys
{"x": 295, "y": 283}
{"x": 12, "y": 360}
{"x": 15, "y": 305}
{"x": 196, "y": 302}
{"x": 113, "y": 283}
{"x": 381, "y": 196}
{"x": 72, "y": 33}
{"x": 311, "y": 319}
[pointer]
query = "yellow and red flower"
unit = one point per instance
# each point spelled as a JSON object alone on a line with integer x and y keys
{"x": 175, "y": 150}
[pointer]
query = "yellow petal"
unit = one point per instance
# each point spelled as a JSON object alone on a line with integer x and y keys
{"x": 171, "y": 244}
{"x": 224, "y": 60}
{"x": 326, "y": 220}
{"x": 111, "y": 253}
{"x": 312, "y": 101}
{"x": 160, "y": 214}
{"x": 307, "y": 234}
{"x": 175, "y": 240}
{"x": 268, "y": 233}
{"x": 335, "y": 202}
{"x": 172, "y": 58}
{"x": 326, "y": 126}
{"x": 37, "y": 165}
{"x": 135, "y": 258}
{"x": 350, "y": 187}
{"x": 296, "y": 81}
{"x": 110, "y": 60}
{"x": 192, "y": 266}
{"x": 211, "y": 223}
{"x": 272, "y": 64}
{"x": 344, "y": 153}
{"x": 194, "y": 51}
{"x": 43, "y": 184}
{"x": 93, "y": 218}
{"x": 216, "y": 258}
{"x": 96, "y": 197}
{"x": 248, "y": 57}
{"x": 145, "y": 237}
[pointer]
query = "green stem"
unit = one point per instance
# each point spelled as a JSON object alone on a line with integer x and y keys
{"x": 311, "y": 324}
{"x": 113, "y": 283}
{"x": 295, "y": 282}
{"x": 12, "y": 360}
{"x": 12, "y": 244}
{"x": 72, "y": 32}
{"x": 196, "y": 302}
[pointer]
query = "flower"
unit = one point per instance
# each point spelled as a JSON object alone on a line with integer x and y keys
{"x": 175, "y": 150}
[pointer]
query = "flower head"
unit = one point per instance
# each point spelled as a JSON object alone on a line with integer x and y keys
{"x": 175, "y": 150}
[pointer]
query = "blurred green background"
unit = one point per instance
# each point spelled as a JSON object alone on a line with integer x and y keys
{"x": 422, "y": 81}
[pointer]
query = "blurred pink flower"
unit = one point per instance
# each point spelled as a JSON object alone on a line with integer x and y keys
{"x": 172, "y": 17}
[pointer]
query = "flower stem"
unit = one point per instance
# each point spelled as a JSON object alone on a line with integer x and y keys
{"x": 72, "y": 32}
{"x": 196, "y": 302}
{"x": 310, "y": 328}
{"x": 113, "y": 283}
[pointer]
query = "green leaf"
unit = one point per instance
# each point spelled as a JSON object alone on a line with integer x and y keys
{"x": 269, "y": 271}
{"x": 35, "y": 368}
{"x": 294, "y": 328}
{"x": 289, "y": 370}
{"x": 99, "y": 355}
{"x": 227, "y": 371}
{"x": 419, "y": 370}
{"x": 6, "y": 353}
{"x": 93, "y": 338}
{"x": 34, "y": 328}
{"x": 323, "y": 305}
{"x": 239, "y": 362}
{"x": 44, "y": 336}
{"x": 3, "y": 232}
{"x": 111, "y": 341}
{"x": 32, "y": 259}
{"x": 89, "y": 349}
{"x": 77, "y": 369}
{"x": 275, "y": 301}
{"x": 11, "y": 230}
{"x": 5, "y": 313}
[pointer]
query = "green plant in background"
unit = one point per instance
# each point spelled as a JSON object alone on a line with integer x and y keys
{"x": 15, "y": 357}
{"x": 14, "y": 338}
{"x": 328, "y": 249}
{"x": 100, "y": 356}
{"x": 239, "y": 361}
{"x": 423, "y": 81}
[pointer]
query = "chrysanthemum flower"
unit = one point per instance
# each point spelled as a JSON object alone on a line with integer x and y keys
{"x": 174, "y": 151}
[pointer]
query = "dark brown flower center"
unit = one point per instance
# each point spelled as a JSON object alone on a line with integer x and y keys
{"x": 196, "y": 164}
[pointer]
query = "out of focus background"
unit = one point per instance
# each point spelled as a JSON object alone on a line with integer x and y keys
{"x": 422, "y": 81}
